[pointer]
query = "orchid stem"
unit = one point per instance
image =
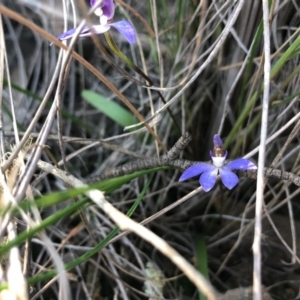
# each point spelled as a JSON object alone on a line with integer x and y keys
{"x": 112, "y": 45}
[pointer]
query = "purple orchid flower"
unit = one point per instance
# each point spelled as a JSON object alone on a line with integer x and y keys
{"x": 210, "y": 172}
{"x": 105, "y": 11}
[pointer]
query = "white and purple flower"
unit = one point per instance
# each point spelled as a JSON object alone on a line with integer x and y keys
{"x": 210, "y": 172}
{"x": 105, "y": 11}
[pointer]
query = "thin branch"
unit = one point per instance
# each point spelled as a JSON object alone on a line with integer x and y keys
{"x": 143, "y": 164}
{"x": 170, "y": 160}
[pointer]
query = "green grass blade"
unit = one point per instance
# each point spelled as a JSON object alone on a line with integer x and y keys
{"x": 23, "y": 236}
{"x": 97, "y": 248}
{"x": 286, "y": 56}
{"x": 105, "y": 186}
{"x": 110, "y": 185}
{"x": 202, "y": 262}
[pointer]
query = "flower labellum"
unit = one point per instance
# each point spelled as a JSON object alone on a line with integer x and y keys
{"x": 105, "y": 11}
{"x": 210, "y": 172}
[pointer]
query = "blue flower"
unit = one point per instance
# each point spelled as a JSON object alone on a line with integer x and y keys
{"x": 210, "y": 172}
{"x": 105, "y": 11}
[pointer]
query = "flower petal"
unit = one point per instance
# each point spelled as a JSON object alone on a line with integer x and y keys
{"x": 126, "y": 29}
{"x": 68, "y": 34}
{"x": 195, "y": 170}
{"x": 208, "y": 179}
{"x": 92, "y": 2}
{"x": 229, "y": 179}
{"x": 241, "y": 164}
{"x": 108, "y": 8}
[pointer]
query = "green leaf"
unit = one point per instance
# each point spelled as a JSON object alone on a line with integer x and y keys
{"x": 111, "y": 109}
